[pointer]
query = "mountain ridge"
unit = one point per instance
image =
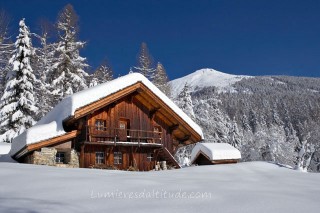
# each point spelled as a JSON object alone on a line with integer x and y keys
{"x": 206, "y": 77}
{"x": 224, "y": 82}
{"x": 269, "y": 118}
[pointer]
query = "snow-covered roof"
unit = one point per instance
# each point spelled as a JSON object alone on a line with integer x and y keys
{"x": 215, "y": 151}
{"x": 51, "y": 125}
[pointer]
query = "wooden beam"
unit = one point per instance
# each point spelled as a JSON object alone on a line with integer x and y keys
{"x": 82, "y": 156}
{"x": 143, "y": 101}
{"x": 113, "y": 104}
{"x": 185, "y": 138}
{"x": 53, "y": 141}
{"x": 173, "y": 127}
{"x": 139, "y": 90}
{"x": 153, "y": 112}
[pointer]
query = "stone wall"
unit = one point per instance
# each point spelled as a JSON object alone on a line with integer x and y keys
{"x": 47, "y": 156}
{"x": 74, "y": 158}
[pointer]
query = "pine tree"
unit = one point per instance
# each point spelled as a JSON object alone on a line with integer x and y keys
{"x": 214, "y": 122}
{"x": 4, "y": 24}
{"x": 253, "y": 121}
{"x": 184, "y": 101}
{"x": 161, "y": 80}
{"x": 45, "y": 54}
{"x": 68, "y": 75}
{"x": 42, "y": 65}
{"x": 17, "y": 102}
{"x": 245, "y": 123}
{"x": 145, "y": 62}
{"x": 103, "y": 74}
{"x": 6, "y": 49}
{"x": 234, "y": 135}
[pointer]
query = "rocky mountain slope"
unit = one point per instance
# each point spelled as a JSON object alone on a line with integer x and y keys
{"x": 271, "y": 118}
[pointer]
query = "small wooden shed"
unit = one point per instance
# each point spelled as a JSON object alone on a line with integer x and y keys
{"x": 214, "y": 153}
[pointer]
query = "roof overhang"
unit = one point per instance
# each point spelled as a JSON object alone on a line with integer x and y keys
{"x": 50, "y": 142}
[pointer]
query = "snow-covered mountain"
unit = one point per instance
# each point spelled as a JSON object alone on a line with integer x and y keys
{"x": 206, "y": 78}
{"x": 269, "y": 118}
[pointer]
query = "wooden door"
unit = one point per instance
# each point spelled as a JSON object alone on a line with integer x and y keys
{"x": 123, "y": 129}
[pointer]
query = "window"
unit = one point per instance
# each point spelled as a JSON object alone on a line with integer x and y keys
{"x": 117, "y": 158}
{"x": 60, "y": 157}
{"x": 122, "y": 125}
{"x": 99, "y": 157}
{"x": 150, "y": 157}
{"x": 100, "y": 125}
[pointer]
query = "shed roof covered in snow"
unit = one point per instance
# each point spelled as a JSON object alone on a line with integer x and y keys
{"x": 214, "y": 152}
{"x": 52, "y": 125}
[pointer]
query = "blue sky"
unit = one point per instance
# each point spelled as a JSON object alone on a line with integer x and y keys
{"x": 249, "y": 37}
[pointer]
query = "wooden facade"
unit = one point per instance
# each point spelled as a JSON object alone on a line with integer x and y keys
{"x": 130, "y": 129}
{"x": 126, "y": 128}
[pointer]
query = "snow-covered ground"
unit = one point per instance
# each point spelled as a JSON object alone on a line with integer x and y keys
{"x": 244, "y": 187}
{"x": 4, "y": 148}
{"x": 4, "y": 152}
{"x": 206, "y": 78}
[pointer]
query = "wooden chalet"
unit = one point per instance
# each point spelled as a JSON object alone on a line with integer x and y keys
{"x": 130, "y": 124}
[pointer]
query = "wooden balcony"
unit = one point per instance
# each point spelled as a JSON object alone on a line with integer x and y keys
{"x": 125, "y": 137}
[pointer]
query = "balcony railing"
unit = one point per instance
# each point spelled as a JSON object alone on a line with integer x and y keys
{"x": 100, "y": 134}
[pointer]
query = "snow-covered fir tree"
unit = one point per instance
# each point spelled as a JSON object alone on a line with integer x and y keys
{"x": 68, "y": 72}
{"x": 43, "y": 60}
{"x": 183, "y": 155}
{"x": 45, "y": 52}
{"x": 234, "y": 135}
{"x": 103, "y": 73}
{"x": 161, "y": 80}
{"x": 4, "y": 25}
{"x": 6, "y": 49}
{"x": 184, "y": 101}
{"x": 307, "y": 146}
{"x": 214, "y": 122}
{"x": 17, "y": 109}
{"x": 145, "y": 62}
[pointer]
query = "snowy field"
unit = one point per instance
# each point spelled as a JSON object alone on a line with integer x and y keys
{"x": 4, "y": 148}
{"x": 244, "y": 187}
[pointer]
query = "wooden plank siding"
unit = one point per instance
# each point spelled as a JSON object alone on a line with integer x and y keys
{"x": 130, "y": 109}
{"x": 134, "y": 157}
{"x": 137, "y": 114}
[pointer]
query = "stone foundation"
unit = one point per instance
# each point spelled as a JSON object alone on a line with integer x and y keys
{"x": 74, "y": 159}
{"x": 47, "y": 156}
